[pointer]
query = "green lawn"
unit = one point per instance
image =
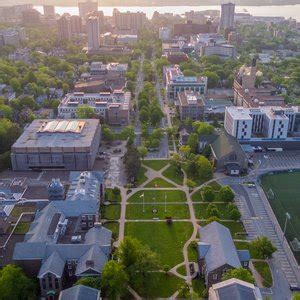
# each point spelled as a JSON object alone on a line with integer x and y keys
{"x": 173, "y": 174}
{"x": 192, "y": 253}
{"x": 18, "y": 210}
{"x": 197, "y": 197}
{"x": 176, "y": 211}
{"x": 236, "y": 228}
{"x": 166, "y": 240}
{"x": 262, "y": 267}
{"x": 111, "y": 212}
{"x": 201, "y": 210}
{"x": 141, "y": 176}
{"x": 110, "y": 196}
{"x": 159, "y": 183}
{"x": 22, "y": 228}
{"x": 215, "y": 185}
{"x": 114, "y": 227}
{"x": 283, "y": 193}
{"x": 158, "y": 196}
{"x": 155, "y": 164}
{"x": 181, "y": 270}
{"x": 157, "y": 285}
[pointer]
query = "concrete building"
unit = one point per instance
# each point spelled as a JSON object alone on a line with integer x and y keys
{"x": 190, "y": 105}
{"x": 134, "y": 21}
{"x": 224, "y": 50}
{"x": 246, "y": 94}
{"x": 49, "y": 11}
{"x": 30, "y": 17}
{"x": 234, "y": 289}
{"x": 64, "y": 30}
{"x": 93, "y": 33}
{"x": 76, "y": 24}
{"x": 187, "y": 29}
{"x": 57, "y": 144}
{"x": 217, "y": 253}
{"x": 227, "y": 16}
{"x": 164, "y": 33}
{"x": 113, "y": 107}
{"x": 87, "y": 7}
{"x": 12, "y": 36}
{"x": 176, "y": 82}
{"x": 262, "y": 122}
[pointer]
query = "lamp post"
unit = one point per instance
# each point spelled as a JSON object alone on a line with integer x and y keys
{"x": 287, "y": 217}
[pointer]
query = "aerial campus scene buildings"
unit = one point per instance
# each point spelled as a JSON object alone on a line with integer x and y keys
{"x": 149, "y": 156}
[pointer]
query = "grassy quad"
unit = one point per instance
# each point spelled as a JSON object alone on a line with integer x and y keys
{"x": 141, "y": 176}
{"x": 158, "y": 196}
{"x": 155, "y": 164}
{"x": 176, "y": 211}
{"x": 166, "y": 240}
{"x": 22, "y": 228}
{"x": 110, "y": 196}
{"x": 201, "y": 210}
{"x": 111, "y": 212}
{"x": 157, "y": 285}
{"x": 173, "y": 174}
{"x": 159, "y": 183}
{"x": 114, "y": 227}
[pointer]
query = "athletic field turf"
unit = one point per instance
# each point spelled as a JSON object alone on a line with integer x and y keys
{"x": 283, "y": 193}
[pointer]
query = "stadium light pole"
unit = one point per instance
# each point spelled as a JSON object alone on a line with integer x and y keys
{"x": 287, "y": 217}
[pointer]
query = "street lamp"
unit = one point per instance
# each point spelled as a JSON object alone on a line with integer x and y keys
{"x": 287, "y": 217}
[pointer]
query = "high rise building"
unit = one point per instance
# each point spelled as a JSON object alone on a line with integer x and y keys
{"x": 87, "y": 7}
{"x": 227, "y": 16}
{"x": 76, "y": 24}
{"x": 30, "y": 16}
{"x": 129, "y": 20}
{"x": 49, "y": 11}
{"x": 64, "y": 30}
{"x": 93, "y": 33}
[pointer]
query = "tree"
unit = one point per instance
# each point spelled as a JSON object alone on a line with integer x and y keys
{"x": 85, "y": 112}
{"x": 208, "y": 193}
{"x": 114, "y": 279}
{"x": 116, "y": 191}
{"x": 234, "y": 214}
{"x": 226, "y": 194}
{"x": 212, "y": 211}
{"x": 143, "y": 151}
{"x": 202, "y": 128}
{"x": 93, "y": 282}
{"x": 190, "y": 183}
{"x": 185, "y": 150}
{"x": 264, "y": 247}
{"x": 144, "y": 115}
{"x": 212, "y": 219}
{"x": 204, "y": 167}
{"x": 107, "y": 134}
{"x": 14, "y": 284}
{"x": 184, "y": 292}
{"x": 193, "y": 142}
{"x": 240, "y": 273}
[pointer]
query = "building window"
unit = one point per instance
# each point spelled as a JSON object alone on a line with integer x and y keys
{"x": 90, "y": 217}
{"x": 56, "y": 284}
{"x": 215, "y": 276}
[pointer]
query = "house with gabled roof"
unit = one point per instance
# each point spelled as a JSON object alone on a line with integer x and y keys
{"x": 80, "y": 292}
{"x": 217, "y": 253}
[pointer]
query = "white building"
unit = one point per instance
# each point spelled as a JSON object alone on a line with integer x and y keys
{"x": 164, "y": 33}
{"x": 269, "y": 122}
{"x": 113, "y": 107}
{"x": 227, "y": 16}
{"x": 93, "y": 33}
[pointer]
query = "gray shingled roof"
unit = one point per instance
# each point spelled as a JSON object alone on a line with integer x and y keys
{"x": 53, "y": 264}
{"x": 236, "y": 292}
{"x": 79, "y": 292}
{"x": 222, "y": 249}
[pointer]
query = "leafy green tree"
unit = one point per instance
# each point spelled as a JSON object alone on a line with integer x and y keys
{"x": 14, "y": 284}
{"x": 212, "y": 219}
{"x": 185, "y": 150}
{"x": 184, "y": 291}
{"x": 264, "y": 247}
{"x": 85, "y": 112}
{"x": 204, "y": 167}
{"x": 202, "y": 128}
{"x": 234, "y": 214}
{"x": 107, "y": 134}
{"x": 212, "y": 211}
{"x": 240, "y": 273}
{"x": 193, "y": 142}
{"x": 208, "y": 193}
{"x": 132, "y": 162}
{"x": 190, "y": 183}
{"x": 114, "y": 279}
{"x": 226, "y": 194}
{"x": 212, "y": 78}
{"x": 93, "y": 282}
{"x": 144, "y": 115}
{"x": 143, "y": 151}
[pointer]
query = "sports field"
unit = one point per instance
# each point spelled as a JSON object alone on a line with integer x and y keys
{"x": 283, "y": 193}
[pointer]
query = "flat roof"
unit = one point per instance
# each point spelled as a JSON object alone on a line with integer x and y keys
{"x": 55, "y": 135}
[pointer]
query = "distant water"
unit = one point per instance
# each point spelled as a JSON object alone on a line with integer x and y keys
{"x": 272, "y": 11}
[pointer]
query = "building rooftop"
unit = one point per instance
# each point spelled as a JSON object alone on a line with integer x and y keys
{"x": 56, "y": 135}
{"x": 190, "y": 99}
{"x": 80, "y": 292}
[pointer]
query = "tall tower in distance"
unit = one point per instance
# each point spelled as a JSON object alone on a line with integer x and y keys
{"x": 87, "y": 7}
{"x": 92, "y": 26}
{"x": 227, "y": 16}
